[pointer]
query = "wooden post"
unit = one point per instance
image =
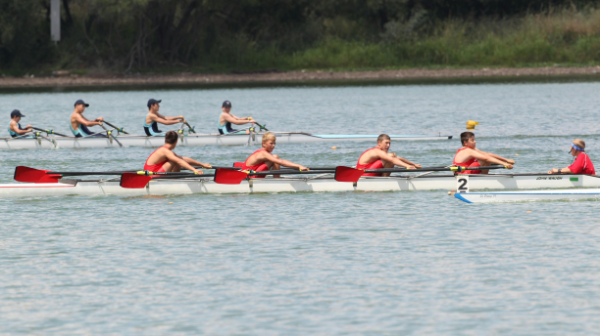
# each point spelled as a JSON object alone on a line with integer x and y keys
{"x": 55, "y": 20}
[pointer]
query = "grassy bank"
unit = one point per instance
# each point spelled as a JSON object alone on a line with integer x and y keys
{"x": 568, "y": 37}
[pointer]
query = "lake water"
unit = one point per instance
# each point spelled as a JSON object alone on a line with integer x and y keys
{"x": 308, "y": 264}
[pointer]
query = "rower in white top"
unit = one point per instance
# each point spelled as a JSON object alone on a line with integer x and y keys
{"x": 14, "y": 128}
{"x": 153, "y": 118}
{"x": 227, "y": 118}
{"x": 79, "y": 124}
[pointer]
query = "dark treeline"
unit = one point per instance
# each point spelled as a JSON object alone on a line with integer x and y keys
{"x": 223, "y": 35}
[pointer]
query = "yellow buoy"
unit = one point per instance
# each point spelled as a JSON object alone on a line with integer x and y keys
{"x": 471, "y": 124}
{"x": 334, "y": 147}
{"x": 528, "y": 211}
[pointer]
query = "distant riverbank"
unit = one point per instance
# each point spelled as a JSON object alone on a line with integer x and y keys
{"x": 67, "y": 80}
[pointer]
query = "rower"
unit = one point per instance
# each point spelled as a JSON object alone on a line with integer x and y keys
{"x": 14, "y": 128}
{"x": 227, "y": 118}
{"x": 582, "y": 164}
{"x": 153, "y": 118}
{"x": 164, "y": 159}
{"x": 469, "y": 156}
{"x": 264, "y": 160}
{"x": 378, "y": 158}
{"x": 79, "y": 124}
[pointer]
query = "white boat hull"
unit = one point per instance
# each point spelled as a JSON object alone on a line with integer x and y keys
{"x": 322, "y": 184}
{"x": 194, "y": 140}
{"x": 529, "y": 196}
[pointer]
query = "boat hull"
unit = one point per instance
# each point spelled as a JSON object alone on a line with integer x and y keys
{"x": 529, "y": 196}
{"x": 195, "y": 140}
{"x": 292, "y": 185}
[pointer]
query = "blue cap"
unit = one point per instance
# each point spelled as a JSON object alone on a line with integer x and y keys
{"x": 153, "y": 101}
{"x": 81, "y": 102}
{"x": 16, "y": 113}
{"x": 227, "y": 103}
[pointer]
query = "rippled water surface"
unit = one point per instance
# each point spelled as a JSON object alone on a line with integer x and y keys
{"x": 317, "y": 264}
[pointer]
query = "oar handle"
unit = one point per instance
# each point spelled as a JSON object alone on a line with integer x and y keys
{"x": 120, "y": 129}
{"x": 282, "y": 169}
{"x": 90, "y": 173}
{"x": 288, "y": 172}
{"x": 151, "y": 173}
{"x": 452, "y": 169}
{"x": 190, "y": 127}
{"x": 49, "y": 131}
{"x": 261, "y": 126}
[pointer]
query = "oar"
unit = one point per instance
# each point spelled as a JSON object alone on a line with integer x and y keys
{"x": 221, "y": 176}
{"x": 32, "y": 175}
{"x": 109, "y": 133}
{"x": 140, "y": 179}
{"x": 428, "y": 173}
{"x": 35, "y": 135}
{"x": 49, "y": 131}
{"x": 238, "y": 165}
{"x": 347, "y": 174}
{"x": 231, "y": 176}
{"x": 190, "y": 127}
{"x": 39, "y": 134}
{"x": 115, "y": 127}
{"x": 262, "y": 127}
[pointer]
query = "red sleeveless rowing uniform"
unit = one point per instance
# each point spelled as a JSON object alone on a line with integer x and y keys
{"x": 257, "y": 167}
{"x": 157, "y": 168}
{"x": 377, "y": 164}
{"x": 583, "y": 165}
{"x": 470, "y": 163}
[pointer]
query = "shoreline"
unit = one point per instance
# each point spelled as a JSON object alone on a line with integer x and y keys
{"x": 313, "y": 77}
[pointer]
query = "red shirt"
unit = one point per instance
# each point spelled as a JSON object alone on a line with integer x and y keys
{"x": 582, "y": 165}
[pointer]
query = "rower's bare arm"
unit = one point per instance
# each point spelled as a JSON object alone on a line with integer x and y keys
{"x": 398, "y": 161}
{"x": 505, "y": 160}
{"x": 416, "y": 165}
{"x": 181, "y": 162}
{"x": 490, "y": 158}
{"x": 180, "y": 118}
{"x": 558, "y": 171}
{"x": 162, "y": 120}
{"x": 501, "y": 158}
{"x": 235, "y": 120}
{"x": 15, "y": 128}
{"x": 86, "y": 122}
{"x": 196, "y": 163}
{"x": 282, "y": 162}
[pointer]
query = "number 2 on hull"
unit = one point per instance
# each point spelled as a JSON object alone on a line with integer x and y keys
{"x": 462, "y": 184}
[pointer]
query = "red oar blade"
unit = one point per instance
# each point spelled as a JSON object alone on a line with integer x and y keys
{"x": 32, "y": 175}
{"x": 229, "y": 176}
{"x": 347, "y": 174}
{"x": 134, "y": 181}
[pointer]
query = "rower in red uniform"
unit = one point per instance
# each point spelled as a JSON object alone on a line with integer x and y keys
{"x": 263, "y": 160}
{"x": 378, "y": 158}
{"x": 165, "y": 160}
{"x": 582, "y": 164}
{"x": 469, "y": 156}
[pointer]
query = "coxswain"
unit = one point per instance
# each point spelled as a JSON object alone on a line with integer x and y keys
{"x": 379, "y": 158}
{"x": 469, "y": 156}
{"x": 14, "y": 128}
{"x": 164, "y": 159}
{"x": 264, "y": 160}
{"x": 153, "y": 118}
{"x": 79, "y": 124}
{"x": 582, "y": 164}
{"x": 227, "y": 118}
